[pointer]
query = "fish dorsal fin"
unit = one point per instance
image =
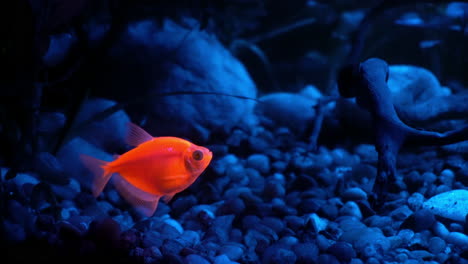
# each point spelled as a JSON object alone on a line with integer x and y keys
{"x": 144, "y": 202}
{"x": 136, "y": 135}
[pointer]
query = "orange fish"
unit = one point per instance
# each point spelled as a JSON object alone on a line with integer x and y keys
{"x": 157, "y": 167}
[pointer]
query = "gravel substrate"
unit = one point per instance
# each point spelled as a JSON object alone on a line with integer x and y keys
{"x": 264, "y": 199}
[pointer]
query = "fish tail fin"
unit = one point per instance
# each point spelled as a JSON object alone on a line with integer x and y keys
{"x": 99, "y": 169}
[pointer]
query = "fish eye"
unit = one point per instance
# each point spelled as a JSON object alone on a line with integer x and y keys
{"x": 197, "y": 155}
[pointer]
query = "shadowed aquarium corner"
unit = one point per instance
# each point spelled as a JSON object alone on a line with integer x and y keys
{"x": 234, "y": 131}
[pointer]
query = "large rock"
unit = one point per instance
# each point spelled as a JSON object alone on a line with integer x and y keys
{"x": 418, "y": 97}
{"x": 69, "y": 157}
{"x": 108, "y": 133}
{"x": 452, "y": 205}
{"x": 155, "y": 59}
{"x": 413, "y": 85}
{"x": 292, "y": 110}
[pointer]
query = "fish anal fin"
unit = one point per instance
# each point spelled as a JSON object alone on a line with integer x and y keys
{"x": 136, "y": 135}
{"x": 144, "y": 202}
{"x": 100, "y": 175}
{"x": 168, "y": 197}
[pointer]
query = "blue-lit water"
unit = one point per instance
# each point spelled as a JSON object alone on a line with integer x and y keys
{"x": 338, "y": 131}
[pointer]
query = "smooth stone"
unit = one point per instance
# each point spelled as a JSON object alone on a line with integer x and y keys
{"x": 401, "y": 257}
{"x": 310, "y": 205}
{"x": 350, "y": 223}
{"x": 436, "y": 245}
{"x": 250, "y": 221}
{"x": 360, "y": 238}
{"x": 294, "y": 222}
{"x": 152, "y": 238}
{"x": 378, "y": 221}
{"x": 66, "y": 213}
{"x": 442, "y": 189}
{"x": 372, "y": 260}
{"x": 183, "y": 204}
{"x": 259, "y": 162}
{"x": 191, "y": 238}
{"x": 440, "y": 230}
{"x": 176, "y": 225}
{"x": 424, "y": 219}
{"x": 406, "y": 235}
{"x": 342, "y": 251}
{"x": 342, "y": 158}
{"x": 452, "y": 204}
{"x": 278, "y": 255}
{"x": 356, "y": 261}
{"x": 323, "y": 243}
{"x": 221, "y": 227}
{"x": 232, "y": 206}
{"x": 413, "y": 181}
{"x": 195, "y": 259}
{"x": 350, "y": 208}
{"x": 202, "y": 61}
{"x": 172, "y": 246}
{"x": 421, "y": 255}
{"x": 306, "y": 252}
{"x": 401, "y": 213}
{"x": 223, "y": 259}
{"x": 236, "y": 235}
{"x": 274, "y": 223}
{"x": 256, "y": 181}
{"x": 21, "y": 178}
{"x": 234, "y": 251}
{"x": 330, "y": 211}
{"x": 288, "y": 241}
{"x": 354, "y": 194}
{"x": 446, "y": 177}
{"x": 152, "y": 252}
{"x": 415, "y": 201}
{"x": 69, "y": 191}
{"x": 456, "y": 227}
{"x": 367, "y": 153}
{"x": 459, "y": 239}
{"x": 327, "y": 259}
{"x": 289, "y": 110}
{"x": 125, "y": 220}
{"x": 413, "y": 85}
{"x": 274, "y": 189}
{"x": 220, "y": 165}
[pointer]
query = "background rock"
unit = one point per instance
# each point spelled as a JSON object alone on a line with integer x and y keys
{"x": 179, "y": 59}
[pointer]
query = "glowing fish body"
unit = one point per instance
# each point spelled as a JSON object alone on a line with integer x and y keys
{"x": 158, "y": 167}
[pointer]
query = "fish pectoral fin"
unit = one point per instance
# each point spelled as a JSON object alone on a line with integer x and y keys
{"x": 167, "y": 198}
{"x": 144, "y": 202}
{"x": 174, "y": 178}
{"x": 136, "y": 135}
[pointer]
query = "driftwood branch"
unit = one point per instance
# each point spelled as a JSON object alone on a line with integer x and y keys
{"x": 367, "y": 82}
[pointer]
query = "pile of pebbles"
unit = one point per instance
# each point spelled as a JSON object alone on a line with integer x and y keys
{"x": 266, "y": 198}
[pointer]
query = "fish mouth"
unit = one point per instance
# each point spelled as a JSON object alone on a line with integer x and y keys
{"x": 210, "y": 155}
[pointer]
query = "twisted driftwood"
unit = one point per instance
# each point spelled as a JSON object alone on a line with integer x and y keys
{"x": 367, "y": 82}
